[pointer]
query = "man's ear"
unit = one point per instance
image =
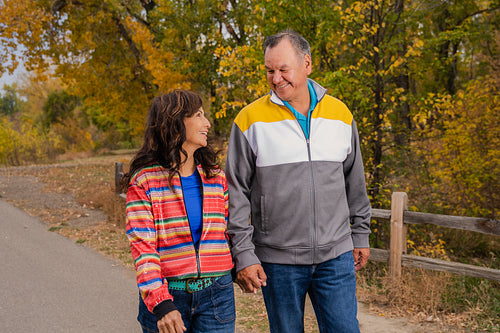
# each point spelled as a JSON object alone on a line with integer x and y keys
{"x": 308, "y": 63}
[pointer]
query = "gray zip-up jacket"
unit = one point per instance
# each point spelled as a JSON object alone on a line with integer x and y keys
{"x": 294, "y": 200}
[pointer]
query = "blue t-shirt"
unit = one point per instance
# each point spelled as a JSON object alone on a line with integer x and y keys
{"x": 303, "y": 120}
{"x": 191, "y": 188}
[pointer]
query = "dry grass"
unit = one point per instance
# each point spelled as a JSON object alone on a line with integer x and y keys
{"x": 94, "y": 187}
{"x": 429, "y": 296}
{"x": 250, "y": 312}
{"x": 418, "y": 292}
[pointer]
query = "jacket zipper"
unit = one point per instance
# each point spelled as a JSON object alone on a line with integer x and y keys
{"x": 313, "y": 190}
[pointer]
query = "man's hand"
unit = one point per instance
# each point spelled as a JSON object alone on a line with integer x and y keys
{"x": 361, "y": 256}
{"x": 251, "y": 278}
{"x": 171, "y": 323}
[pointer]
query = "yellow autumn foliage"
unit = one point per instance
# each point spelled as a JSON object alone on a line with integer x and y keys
{"x": 464, "y": 154}
{"x": 244, "y": 71}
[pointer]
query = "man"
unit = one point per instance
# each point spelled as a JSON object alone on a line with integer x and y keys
{"x": 294, "y": 165}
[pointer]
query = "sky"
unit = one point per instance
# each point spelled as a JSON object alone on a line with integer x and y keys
{"x": 9, "y": 79}
{"x": 16, "y": 76}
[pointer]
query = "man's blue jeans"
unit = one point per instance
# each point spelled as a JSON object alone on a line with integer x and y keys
{"x": 209, "y": 310}
{"x": 331, "y": 287}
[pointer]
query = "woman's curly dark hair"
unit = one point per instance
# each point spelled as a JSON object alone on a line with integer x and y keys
{"x": 165, "y": 133}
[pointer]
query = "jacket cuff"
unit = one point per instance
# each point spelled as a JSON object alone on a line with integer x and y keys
{"x": 361, "y": 241}
{"x": 163, "y": 308}
{"x": 245, "y": 259}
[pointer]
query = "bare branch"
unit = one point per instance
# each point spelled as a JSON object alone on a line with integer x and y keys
{"x": 58, "y": 5}
{"x": 136, "y": 16}
{"x": 148, "y": 5}
{"x": 477, "y": 13}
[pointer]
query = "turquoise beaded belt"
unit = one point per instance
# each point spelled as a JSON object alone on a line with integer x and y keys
{"x": 191, "y": 285}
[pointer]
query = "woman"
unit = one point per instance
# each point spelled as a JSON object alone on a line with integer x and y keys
{"x": 176, "y": 222}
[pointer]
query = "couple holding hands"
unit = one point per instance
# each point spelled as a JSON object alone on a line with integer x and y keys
{"x": 291, "y": 218}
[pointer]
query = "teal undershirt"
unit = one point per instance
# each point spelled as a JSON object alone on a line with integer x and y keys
{"x": 305, "y": 122}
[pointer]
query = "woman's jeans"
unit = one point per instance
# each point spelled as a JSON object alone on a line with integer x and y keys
{"x": 331, "y": 286}
{"x": 209, "y": 310}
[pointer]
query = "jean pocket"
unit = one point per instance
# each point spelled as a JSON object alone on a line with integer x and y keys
{"x": 223, "y": 299}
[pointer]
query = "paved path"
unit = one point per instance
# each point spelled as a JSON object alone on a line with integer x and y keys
{"x": 51, "y": 284}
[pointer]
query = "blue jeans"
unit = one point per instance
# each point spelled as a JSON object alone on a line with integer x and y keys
{"x": 209, "y": 310}
{"x": 331, "y": 287}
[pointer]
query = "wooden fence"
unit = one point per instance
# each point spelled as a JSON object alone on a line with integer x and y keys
{"x": 399, "y": 218}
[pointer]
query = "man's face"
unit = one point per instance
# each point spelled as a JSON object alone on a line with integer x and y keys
{"x": 286, "y": 71}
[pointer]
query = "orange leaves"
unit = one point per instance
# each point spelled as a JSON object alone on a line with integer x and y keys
{"x": 20, "y": 22}
{"x": 156, "y": 60}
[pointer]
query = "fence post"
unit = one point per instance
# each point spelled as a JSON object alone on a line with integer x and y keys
{"x": 118, "y": 176}
{"x": 399, "y": 203}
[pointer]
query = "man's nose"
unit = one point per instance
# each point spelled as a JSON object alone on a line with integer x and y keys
{"x": 276, "y": 78}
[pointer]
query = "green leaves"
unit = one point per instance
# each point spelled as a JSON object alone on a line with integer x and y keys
{"x": 59, "y": 106}
{"x": 9, "y": 101}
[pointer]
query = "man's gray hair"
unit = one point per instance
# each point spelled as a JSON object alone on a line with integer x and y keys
{"x": 299, "y": 43}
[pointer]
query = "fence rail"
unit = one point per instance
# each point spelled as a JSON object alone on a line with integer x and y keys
{"x": 399, "y": 218}
{"x": 476, "y": 224}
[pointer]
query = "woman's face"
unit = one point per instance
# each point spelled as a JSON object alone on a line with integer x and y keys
{"x": 196, "y": 131}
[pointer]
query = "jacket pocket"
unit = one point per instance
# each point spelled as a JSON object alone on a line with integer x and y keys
{"x": 264, "y": 218}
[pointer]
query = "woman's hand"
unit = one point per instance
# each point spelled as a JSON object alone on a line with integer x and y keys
{"x": 171, "y": 323}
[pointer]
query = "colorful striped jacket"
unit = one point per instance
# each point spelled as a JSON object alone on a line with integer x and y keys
{"x": 160, "y": 236}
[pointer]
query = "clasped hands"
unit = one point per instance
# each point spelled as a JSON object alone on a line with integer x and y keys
{"x": 252, "y": 278}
